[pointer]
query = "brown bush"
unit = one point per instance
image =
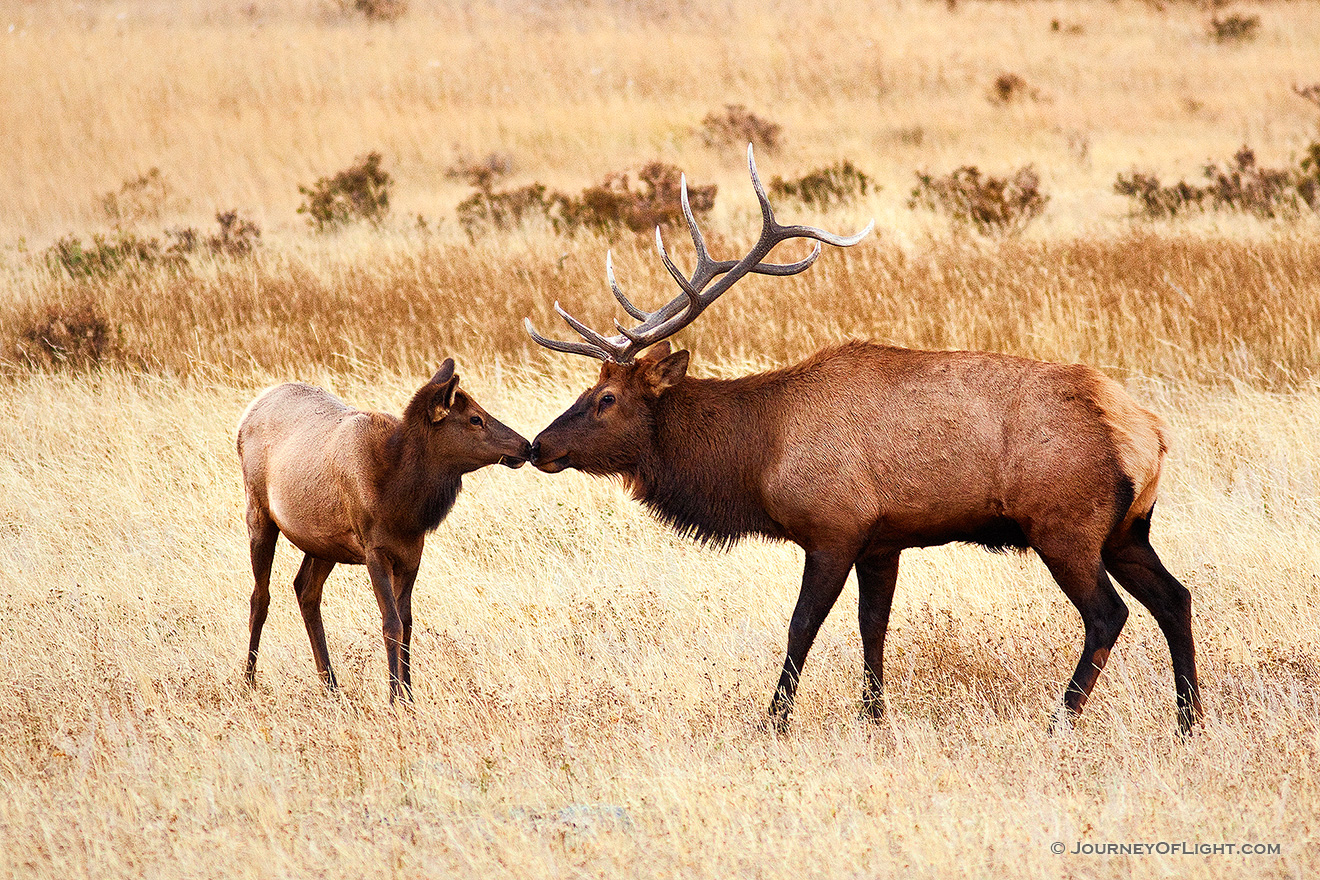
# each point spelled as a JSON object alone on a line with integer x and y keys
{"x": 1240, "y": 184}
{"x": 141, "y": 198}
{"x": 655, "y": 201}
{"x": 993, "y": 205}
{"x": 1009, "y": 88}
{"x": 75, "y": 337}
{"x": 737, "y": 127}
{"x": 1234, "y": 29}
{"x": 615, "y": 203}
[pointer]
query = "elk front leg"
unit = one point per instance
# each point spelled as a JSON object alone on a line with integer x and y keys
{"x": 381, "y": 569}
{"x": 403, "y": 584}
{"x": 876, "y": 579}
{"x": 822, "y": 581}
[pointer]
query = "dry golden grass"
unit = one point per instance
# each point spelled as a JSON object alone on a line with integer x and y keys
{"x": 238, "y": 108}
{"x": 1188, "y": 308}
{"x": 589, "y": 687}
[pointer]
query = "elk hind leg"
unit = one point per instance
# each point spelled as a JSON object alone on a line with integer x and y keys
{"x": 262, "y": 537}
{"x": 1136, "y": 566}
{"x": 1086, "y": 584}
{"x": 308, "y": 585}
{"x": 876, "y": 579}
{"x": 822, "y": 581}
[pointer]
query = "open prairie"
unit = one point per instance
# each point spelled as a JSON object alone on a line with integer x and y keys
{"x": 590, "y": 687}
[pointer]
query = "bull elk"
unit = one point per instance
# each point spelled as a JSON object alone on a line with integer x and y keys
{"x": 864, "y": 450}
{"x": 361, "y": 488}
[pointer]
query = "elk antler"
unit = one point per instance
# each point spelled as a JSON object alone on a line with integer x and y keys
{"x": 684, "y": 309}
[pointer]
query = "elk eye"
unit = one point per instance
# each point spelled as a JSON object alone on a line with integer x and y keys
{"x": 476, "y": 420}
{"x": 606, "y": 399}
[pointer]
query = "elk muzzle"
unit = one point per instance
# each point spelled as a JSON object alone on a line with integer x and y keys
{"x": 517, "y": 459}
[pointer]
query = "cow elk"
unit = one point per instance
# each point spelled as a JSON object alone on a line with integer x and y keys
{"x": 361, "y": 488}
{"x": 864, "y": 450}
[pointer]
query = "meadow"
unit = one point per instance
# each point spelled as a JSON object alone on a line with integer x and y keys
{"x": 590, "y": 688}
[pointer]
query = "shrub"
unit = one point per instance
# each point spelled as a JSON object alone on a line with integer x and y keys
{"x": 236, "y": 237}
{"x": 68, "y": 337}
{"x": 360, "y": 192}
{"x": 1309, "y": 93}
{"x": 375, "y": 10}
{"x": 104, "y": 256}
{"x": 836, "y": 185}
{"x": 654, "y": 202}
{"x": 482, "y": 174}
{"x": 486, "y": 211}
{"x": 1234, "y": 29}
{"x": 993, "y": 205}
{"x": 737, "y": 127}
{"x": 1239, "y": 185}
{"x": 1009, "y": 88}
{"x": 140, "y": 198}
{"x": 613, "y": 204}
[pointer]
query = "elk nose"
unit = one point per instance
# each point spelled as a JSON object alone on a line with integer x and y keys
{"x": 536, "y": 451}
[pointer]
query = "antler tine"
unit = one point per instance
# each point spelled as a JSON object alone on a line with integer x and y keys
{"x": 767, "y": 213}
{"x": 695, "y": 297}
{"x": 565, "y": 347}
{"x": 782, "y": 233}
{"x": 594, "y": 338}
{"x": 618, "y": 292}
{"x": 690, "y": 288}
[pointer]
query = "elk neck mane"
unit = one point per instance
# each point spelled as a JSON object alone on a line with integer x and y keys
{"x": 420, "y": 490}
{"x": 712, "y": 441}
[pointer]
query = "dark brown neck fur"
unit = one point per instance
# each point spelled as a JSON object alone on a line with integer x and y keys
{"x": 702, "y": 473}
{"x": 422, "y": 487}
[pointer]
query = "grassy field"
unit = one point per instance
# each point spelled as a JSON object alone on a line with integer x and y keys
{"x": 589, "y": 687}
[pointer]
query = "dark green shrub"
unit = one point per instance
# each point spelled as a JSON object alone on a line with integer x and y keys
{"x": 360, "y": 192}
{"x": 838, "y": 184}
{"x": 992, "y": 205}
{"x": 486, "y": 211}
{"x": 103, "y": 256}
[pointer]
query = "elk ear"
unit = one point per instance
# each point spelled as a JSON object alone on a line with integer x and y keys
{"x": 442, "y": 375}
{"x": 442, "y": 398}
{"x": 657, "y": 352}
{"x": 666, "y": 372}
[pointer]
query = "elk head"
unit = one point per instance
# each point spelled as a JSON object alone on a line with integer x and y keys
{"x": 605, "y": 430}
{"x": 456, "y": 430}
